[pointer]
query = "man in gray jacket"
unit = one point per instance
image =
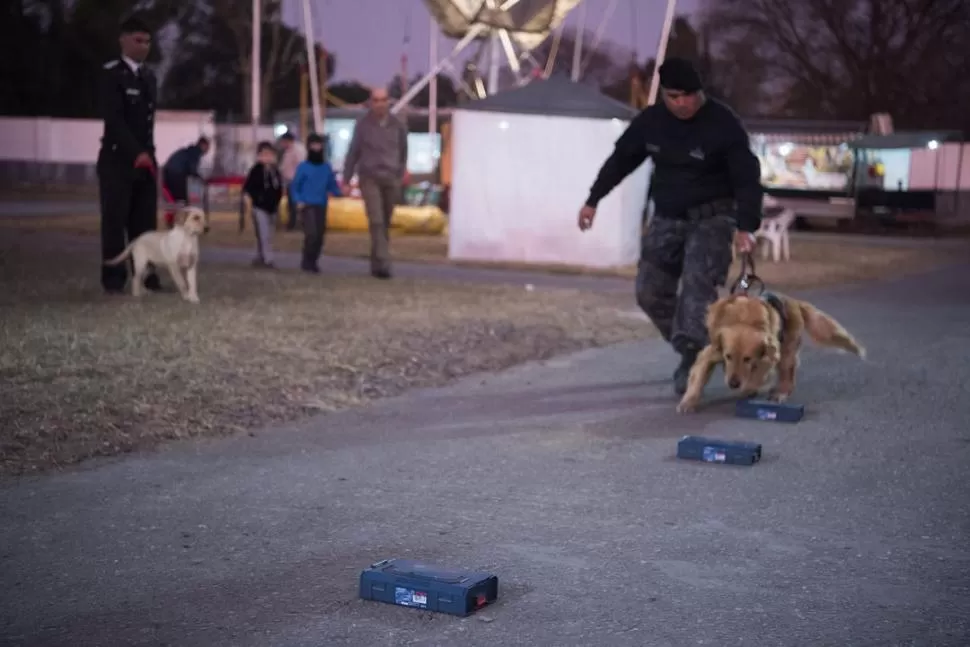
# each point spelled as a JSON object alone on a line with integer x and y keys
{"x": 292, "y": 153}
{"x": 378, "y": 153}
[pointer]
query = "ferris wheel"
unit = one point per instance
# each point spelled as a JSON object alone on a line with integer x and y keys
{"x": 501, "y": 28}
{"x": 508, "y": 29}
{"x": 511, "y": 29}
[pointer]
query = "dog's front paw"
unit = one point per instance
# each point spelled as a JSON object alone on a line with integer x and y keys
{"x": 687, "y": 405}
{"x": 778, "y": 396}
{"x": 192, "y": 298}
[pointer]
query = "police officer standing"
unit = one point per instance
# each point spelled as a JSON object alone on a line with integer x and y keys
{"x": 706, "y": 189}
{"x": 126, "y": 161}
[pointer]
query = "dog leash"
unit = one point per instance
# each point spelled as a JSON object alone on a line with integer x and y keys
{"x": 170, "y": 200}
{"x": 747, "y": 278}
{"x": 165, "y": 192}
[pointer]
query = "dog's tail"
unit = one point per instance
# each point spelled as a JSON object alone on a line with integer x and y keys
{"x": 122, "y": 256}
{"x": 826, "y": 331}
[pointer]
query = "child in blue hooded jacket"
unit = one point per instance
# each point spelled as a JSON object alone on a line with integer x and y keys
{"x": 313, "y": 185}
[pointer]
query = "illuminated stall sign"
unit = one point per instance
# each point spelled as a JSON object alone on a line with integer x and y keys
{"x": 805, "y": 162}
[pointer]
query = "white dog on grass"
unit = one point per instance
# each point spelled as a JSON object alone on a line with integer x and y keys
{"x": 177, "y": 249}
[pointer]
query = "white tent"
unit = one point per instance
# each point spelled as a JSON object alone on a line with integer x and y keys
{"x": 522, "y": 164}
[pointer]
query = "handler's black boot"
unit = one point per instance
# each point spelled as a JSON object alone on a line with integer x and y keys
{"x": 687, "y": 357}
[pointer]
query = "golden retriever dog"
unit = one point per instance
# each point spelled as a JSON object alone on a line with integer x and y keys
{"x": 177, "y": 249}
{"x": 755, "y": 336}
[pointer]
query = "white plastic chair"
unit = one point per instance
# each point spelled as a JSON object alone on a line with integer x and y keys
{"x": 774, "y": 230}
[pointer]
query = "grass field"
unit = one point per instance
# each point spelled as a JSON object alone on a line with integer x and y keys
{"x": 83, "y": 375}
{"x": 814, "y": 262}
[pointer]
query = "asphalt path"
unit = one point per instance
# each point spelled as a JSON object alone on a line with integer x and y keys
{"x": 557, "y": 476}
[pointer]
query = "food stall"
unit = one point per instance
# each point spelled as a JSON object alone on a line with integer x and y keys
{"x": 914, "y": 176}
{"x": 808, "y": 166}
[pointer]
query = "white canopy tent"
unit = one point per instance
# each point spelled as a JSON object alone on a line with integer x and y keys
{"x": 523, "y": 161}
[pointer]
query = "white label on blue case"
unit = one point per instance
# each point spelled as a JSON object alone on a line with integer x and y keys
{"x": 408, "y": 598}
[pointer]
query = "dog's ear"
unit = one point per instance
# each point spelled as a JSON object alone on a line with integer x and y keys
{"x": 768, "y": 349}
{"x": 717, "y": 343}
{"x": 715, "y": 313}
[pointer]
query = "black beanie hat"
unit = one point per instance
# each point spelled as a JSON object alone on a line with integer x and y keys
{"x": 314, "y": 138}
{"x": 680, "y": 74}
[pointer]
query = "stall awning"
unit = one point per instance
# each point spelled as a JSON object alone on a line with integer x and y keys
{"x": 806, "y": 139}
{"x": 805, "y": 132}
{"x": 912, "y": 139}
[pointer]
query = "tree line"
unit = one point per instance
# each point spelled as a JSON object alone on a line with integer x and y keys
{"x": 807, "y": 59}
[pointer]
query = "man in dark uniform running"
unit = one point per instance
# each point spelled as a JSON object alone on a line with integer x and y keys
{"x": 706, "y": 189}
{"x": 126, "y": 161}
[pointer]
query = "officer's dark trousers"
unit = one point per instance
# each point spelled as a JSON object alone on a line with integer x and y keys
{"x": 695, "y": 252}
{"x": 129, "y": 204}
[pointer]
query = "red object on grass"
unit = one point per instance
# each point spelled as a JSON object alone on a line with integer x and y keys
{"x": 229, "y": 180}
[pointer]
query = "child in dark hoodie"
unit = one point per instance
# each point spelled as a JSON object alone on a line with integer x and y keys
{"x": 313, "y": 184}
{"x": 263, "y": 192}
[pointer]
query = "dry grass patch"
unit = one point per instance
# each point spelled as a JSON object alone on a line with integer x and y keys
{"x": 82, "y": 374}
{"x": 815, "y": 263}
{"x": 225, "y": 232}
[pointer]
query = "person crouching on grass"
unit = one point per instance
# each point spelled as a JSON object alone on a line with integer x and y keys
{"x": 313, "y": 184}
{"x": 263, "y": 192}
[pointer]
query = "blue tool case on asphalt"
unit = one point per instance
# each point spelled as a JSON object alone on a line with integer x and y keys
{"x": 767, "y": 410}
{"x": 711, "y": 450}
{"x": 409, "y": 583}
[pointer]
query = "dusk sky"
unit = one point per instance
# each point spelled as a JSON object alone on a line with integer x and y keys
{"x": 368, "y": 35}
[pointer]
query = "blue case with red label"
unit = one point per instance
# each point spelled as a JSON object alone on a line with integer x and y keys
{"x": 408, "y": 583}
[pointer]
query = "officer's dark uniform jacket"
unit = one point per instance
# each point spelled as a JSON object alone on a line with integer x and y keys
{"x": 128, "y": 108}
{"x": 698, "y": 162}
{"x": 128, "y": 195}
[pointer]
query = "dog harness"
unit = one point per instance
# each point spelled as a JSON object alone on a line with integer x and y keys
{"x": 775, "y": 302}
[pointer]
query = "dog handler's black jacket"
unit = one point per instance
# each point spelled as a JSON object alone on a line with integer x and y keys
{"x": 696, "y": 161}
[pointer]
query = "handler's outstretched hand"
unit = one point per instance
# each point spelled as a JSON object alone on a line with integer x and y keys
{"x": 744, "y": 242}
{"x": 586, "y": 216}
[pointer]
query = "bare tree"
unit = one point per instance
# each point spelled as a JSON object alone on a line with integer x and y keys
{"x": 734, "y": 68}
{"x": 850, "y": 58}
{"x": 284, "y": 46}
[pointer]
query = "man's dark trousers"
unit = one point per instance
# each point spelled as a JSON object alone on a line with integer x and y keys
{"x": 292, "y": 214}
{"x": 694, "y": 250}
{"x": 129, "y": 208}
{"x": 314, "y": 230}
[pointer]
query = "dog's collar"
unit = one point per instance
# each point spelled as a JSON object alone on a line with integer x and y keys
{"x": 773, "y": 301}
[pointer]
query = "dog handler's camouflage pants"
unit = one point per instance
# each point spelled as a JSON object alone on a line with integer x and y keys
{"x": 694, "y": 251}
